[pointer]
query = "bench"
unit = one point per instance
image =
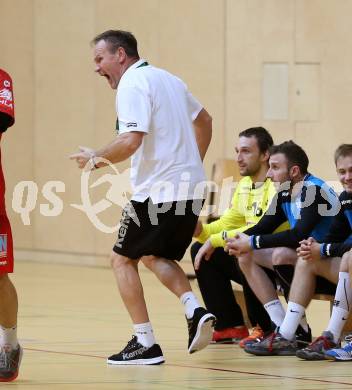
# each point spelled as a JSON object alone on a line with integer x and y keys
{"x": 237, "y": 289}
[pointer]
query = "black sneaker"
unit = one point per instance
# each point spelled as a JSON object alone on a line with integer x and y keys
{"x": 10, "y": 360}
{"x": 303, "y": 338}
{"x": 136, "y": 353}
{"x": 200, "y": 329}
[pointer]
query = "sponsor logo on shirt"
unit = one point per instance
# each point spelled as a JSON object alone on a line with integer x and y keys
{"x": 6, "y": 97}
{"x": 131, "y": 124}
{"x": 3, "y": 247}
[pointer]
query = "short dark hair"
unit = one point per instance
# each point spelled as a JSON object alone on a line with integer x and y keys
{"x": 294, "y": 154}
{"x": 343, "y": 150}
{"x": 119, "y": 38}
{"x": 264, "y": 139}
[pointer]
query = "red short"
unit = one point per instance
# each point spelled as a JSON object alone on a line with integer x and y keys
{"x": 6, "y": 246}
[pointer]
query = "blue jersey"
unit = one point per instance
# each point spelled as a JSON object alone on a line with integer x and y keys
{"x": 309, "y": 214}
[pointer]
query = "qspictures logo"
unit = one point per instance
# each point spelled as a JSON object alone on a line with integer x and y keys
{"x": 118, "y": 192}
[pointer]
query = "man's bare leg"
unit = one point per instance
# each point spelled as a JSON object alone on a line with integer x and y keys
{"x": 10, "y": 351}
{"x": 250, "y": 264}
{"x": 259, "y": 281}
{"x": 142, "y": 349}
{"x": 130, "y": 287}
{"x": 172, "y": 276}
{"x": 8, "y": 302}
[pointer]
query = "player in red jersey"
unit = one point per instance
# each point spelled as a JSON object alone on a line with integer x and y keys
{"x": 10, "y": 350}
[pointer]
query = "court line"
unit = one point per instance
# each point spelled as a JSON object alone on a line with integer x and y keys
{"x": 204, "y": 368}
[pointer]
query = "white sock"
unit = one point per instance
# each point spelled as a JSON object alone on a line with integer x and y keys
{"x": 8, "y": 336}
{"x": 190, "y": 302}
{"x": 276, "y": 311}
{"x": 292, "y": 319}
{"x": 144, "y": 333}
{"x": 341, "y": 308}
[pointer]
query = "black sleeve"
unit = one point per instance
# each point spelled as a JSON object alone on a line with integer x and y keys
{"x": 336, "y": 249}
{"x": 340, "y": 227}
{"x": 271, "y": 220}
{"x": 306, "y": 221}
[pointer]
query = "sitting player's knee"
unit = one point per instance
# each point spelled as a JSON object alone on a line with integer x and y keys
{"x": 244, "y": 261}
{"x": 284, "y": 256}
{"x": 304, "y": 266}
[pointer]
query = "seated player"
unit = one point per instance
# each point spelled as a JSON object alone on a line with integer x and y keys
{"x": 325, "y": 260}
{"x": 308, "y": 203}
{"x": 214, "y": 268}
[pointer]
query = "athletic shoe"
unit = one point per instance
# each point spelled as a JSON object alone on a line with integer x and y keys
{"x": 341, "y": 354}
{"x": 230, "y": 335}
{"x": 256, "y": 334}
{"x": 317, "y": 349}
{"x": 303, "y": 338}
{"x": 136, "y": 353}
{"x": 10, "y": 360}
{"x": 274, "y": 344}
{"x": 200, "y": 329}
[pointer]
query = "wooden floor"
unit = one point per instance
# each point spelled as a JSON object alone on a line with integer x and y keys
{"x": 71, "y": 318}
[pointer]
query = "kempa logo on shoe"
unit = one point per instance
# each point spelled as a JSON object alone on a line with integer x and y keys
{"x": 131, "y": 355}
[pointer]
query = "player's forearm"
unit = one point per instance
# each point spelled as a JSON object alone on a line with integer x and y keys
{"x": 203, "y": 130}
{"x": 120, "y": 149}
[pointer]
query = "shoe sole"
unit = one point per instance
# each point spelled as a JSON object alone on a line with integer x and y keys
{"x": 267, "y": 353}
{"x": 225, "y": 341}
{"x": 335, "y": 359}
{"x": 311, "y": 356}
{"x": 15, "y": 375}
{"x": 153, "y": 361}
{"x": 204, "y": 333}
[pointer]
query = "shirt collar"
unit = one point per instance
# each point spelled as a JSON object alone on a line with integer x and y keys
{"x": 135, "y": 65}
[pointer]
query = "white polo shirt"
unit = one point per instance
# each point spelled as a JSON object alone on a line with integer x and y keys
{"x": 167, "y": 165}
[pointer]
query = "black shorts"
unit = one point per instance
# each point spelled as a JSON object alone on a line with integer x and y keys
{"x": 162, "y": 230}
{"x": 324, "y": 286}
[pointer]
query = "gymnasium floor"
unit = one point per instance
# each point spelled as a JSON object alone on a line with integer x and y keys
{"x": 71, "y": 318}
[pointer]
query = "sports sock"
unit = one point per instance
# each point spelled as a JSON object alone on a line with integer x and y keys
{"x": 292, "y": 319}
{"x": 190, "y": 302}
{"x": 341, "y": 308}
{"x": 8, "y": 336}
{"x": 276, "y": 311}
{"x": 144, "y": 333}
